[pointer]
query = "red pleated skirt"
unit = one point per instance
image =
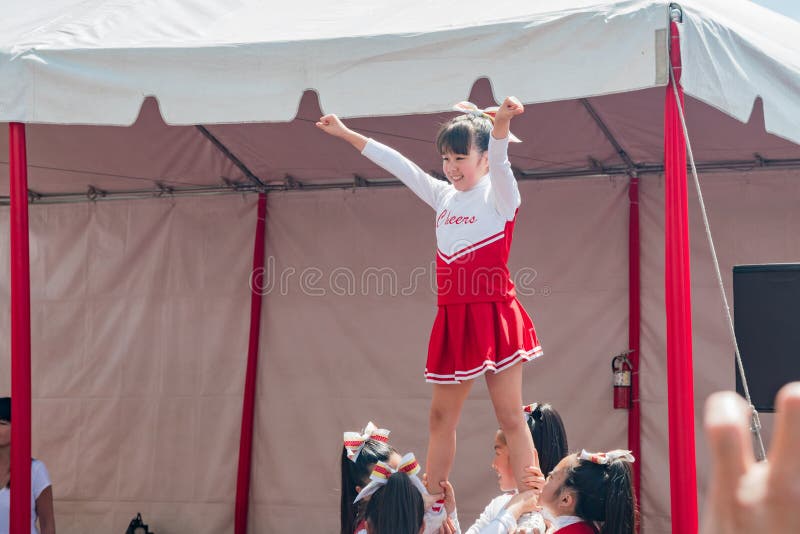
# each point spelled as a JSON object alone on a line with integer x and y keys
{"x": 469, "y": 339}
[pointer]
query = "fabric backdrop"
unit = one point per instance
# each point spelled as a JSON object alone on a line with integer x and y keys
{"x": 140, "y": 313}
{"x": 139, "y": 320}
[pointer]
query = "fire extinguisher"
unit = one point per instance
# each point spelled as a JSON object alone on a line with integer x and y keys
{"x": 621, "y": 367}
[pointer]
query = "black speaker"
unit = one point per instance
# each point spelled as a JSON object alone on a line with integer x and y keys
{"x": 766, "y": 303}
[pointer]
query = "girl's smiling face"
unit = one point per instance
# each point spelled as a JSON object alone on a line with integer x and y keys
{"x": 502, "y": 464}
{"x": 465, "y": 170}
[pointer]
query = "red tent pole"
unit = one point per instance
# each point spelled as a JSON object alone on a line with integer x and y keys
{"x": 248, "y": 403}
{"x": 634, "y": 326}
{"x": 20, "y": 521}
{"x": 680, "y": 383}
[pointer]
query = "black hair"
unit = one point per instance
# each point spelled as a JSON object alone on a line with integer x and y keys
{"x": 5, "y": 409}
{"x": 357, "y": 474}
{"x": 460, "y": 134}
{"x": 549, "y": 436}
{"x": 396, "y": 508}
{"x": 604, "y": 493}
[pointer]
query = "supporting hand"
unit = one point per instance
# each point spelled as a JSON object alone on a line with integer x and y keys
{"x": 430, "y": 499}
{"x": 449, "y": 496}
{"x": 523, "y": 502}
{"x": 534, "y": 479}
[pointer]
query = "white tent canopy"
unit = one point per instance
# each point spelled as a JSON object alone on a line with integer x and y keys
{"x": 210, "y": 63}
{"x": 93, "y": 62}
{"x": 134, "y": 99}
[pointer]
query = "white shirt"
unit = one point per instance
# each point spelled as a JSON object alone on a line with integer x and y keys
{"x": 562, "y": 521}
{"x": 40, "y": 481}
{"x": 434, "y": 521}
{"x": 496, "y": 519}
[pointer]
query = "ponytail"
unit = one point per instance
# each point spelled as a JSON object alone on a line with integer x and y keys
{"x": 356, "y": 473}
{"x": 621, "y": 514}
{"x": 604, "y": 494}
{"x": 348, "y": 510}
{"x": 549, "y": 435}
{"x": 396, "y": 508}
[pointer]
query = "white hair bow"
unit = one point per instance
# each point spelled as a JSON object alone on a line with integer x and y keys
{"x": 490, "y": 113}
{"x": 382, "y": 471}
{"x": 605, "y": 458}
{"x": 354, "y": 441}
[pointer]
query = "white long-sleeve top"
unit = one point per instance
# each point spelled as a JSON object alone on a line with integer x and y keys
{"x": 496, "y": 519}
{"x": 473, "y": 228}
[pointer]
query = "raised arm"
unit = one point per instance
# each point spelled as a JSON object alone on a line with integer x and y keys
{"x": 504, "y": 185}
{"x": 426, "y": 187}
{"x": 332, "y": 125}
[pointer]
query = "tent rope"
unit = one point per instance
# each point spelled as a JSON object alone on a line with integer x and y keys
{"x": 755, "y": 421}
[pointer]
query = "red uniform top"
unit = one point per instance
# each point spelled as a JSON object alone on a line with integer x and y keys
{"x": 473, "y": 228}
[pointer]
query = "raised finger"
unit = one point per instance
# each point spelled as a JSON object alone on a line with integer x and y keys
{"x": 726, "y": 418}
{"x": 786, "y": 435}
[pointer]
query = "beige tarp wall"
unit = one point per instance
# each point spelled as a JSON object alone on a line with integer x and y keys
{"x": 332, "y": 362}
{"x": 139, "y": 326}
{"x": 754, "y": 219}
{"x": 140, "y": 314}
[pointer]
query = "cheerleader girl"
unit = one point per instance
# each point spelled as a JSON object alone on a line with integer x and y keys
{"x": 504, "y": 512}
{"x": 480, "y": 328}
{"x": 591, "y": 493}
{"x": 360, "y": 453}
{"x": 398, "y": 501}
{"x": 396, "y": 508}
